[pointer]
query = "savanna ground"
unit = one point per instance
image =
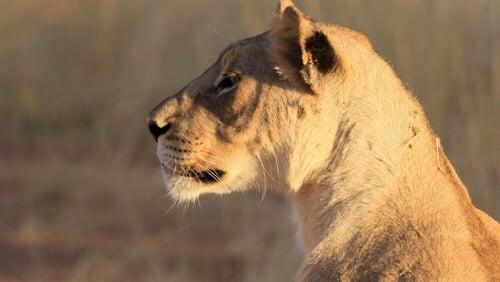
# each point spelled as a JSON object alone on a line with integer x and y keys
{"x": 80, "y": 193}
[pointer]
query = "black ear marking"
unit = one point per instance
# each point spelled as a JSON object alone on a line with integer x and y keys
{"x": 322, "y": 52}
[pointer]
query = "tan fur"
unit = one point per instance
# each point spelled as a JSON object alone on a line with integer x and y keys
{"x": 376, "y": 197}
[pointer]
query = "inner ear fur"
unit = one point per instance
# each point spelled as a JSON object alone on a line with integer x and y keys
{"x": 301, "y": 51}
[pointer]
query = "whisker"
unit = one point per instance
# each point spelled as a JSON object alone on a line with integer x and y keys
{"x": 171, "y": 207}
{"x": 265, "y": 178}
{"x": 216, "y": 177}
{"x": 276, "y": 162}
{"x": 193, "y": 172}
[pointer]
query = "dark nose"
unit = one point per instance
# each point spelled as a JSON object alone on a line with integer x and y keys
{"x": 156, "y": 130}
{"x": 162, "y": 118}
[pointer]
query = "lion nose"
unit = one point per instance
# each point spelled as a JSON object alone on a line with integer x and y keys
{"x": 157, "y": 130}
{"x": 161, "y": 119}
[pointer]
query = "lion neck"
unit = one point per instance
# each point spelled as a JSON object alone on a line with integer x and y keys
{"x": 376, "y": 160}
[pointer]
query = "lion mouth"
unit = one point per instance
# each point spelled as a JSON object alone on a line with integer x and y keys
{"x": 205, "y": 176}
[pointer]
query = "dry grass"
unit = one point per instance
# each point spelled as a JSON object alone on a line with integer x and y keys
{"x": 80, "y": 197}
{"x": 82, "y": 223}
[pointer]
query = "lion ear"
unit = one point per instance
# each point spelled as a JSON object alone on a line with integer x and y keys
{"x": 301, "y": 51}
{"x": 283, "y": 5}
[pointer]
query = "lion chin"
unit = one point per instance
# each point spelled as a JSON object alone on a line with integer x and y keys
{"x": 186, "y": 184}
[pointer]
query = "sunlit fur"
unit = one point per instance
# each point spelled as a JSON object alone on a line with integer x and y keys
{"x": 375, "y": 196}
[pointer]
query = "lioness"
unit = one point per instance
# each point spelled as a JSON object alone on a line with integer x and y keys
{"x": 312, "y": 110}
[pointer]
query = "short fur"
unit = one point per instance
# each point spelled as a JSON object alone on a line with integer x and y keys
{"x": 319, "y": 115}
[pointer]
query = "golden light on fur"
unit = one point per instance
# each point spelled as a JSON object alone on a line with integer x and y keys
{"x": 310, "y": 109}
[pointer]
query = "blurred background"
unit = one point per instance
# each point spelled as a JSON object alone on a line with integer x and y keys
{"x": 80, "y": 191}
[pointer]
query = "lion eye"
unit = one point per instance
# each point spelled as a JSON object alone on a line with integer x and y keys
{"x": 227, "y": 83}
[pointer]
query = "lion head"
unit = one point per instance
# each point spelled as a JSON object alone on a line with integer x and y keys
{"x": 264, "y": 115}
